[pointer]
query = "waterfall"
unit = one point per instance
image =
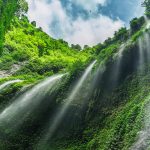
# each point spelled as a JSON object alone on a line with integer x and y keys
{"x": 147, "y": 22}
{"x": 25, "y": 103}
{"x": 141, "y": 54}
{"x": 59, "y": 116}
{"x": 9, "y": 83}
{"x": 143, "y": 141}
{"x": 117, "y": 64}
{"x": 144, "y": 51}
{"x": 147, "y": 42}
{"x": 143, "y": 137}
{"x": 79, "y": 84}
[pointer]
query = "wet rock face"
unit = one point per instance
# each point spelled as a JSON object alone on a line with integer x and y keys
{"x": 3, "y": 74}
{"x": 14, "y": 69}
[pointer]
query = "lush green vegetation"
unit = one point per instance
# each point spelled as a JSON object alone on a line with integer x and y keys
{"x": 39, "y": 53}
{"x": 147, "y": 5}
{"x": 7, "y": 10}
{"x": 114, "y": 109}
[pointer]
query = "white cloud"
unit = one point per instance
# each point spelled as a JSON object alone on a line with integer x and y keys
{"x": 88, "y": 4}
{"x": 94, "y": 30}
{"x": 79, "y": 31}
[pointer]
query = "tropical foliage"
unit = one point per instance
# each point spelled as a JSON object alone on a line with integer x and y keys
{"x": 146, "y": 4}
{"x": 7, "y": 10}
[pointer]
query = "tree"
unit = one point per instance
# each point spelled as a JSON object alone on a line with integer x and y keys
{"x": 146, "y": 4}
{"x": 121, "y": 35}
{"x": 136, "y": 24}
{"x": 22, "y": 7}
{"x": 76, "y": 47}
{"x": 86, "y": 46}
{"x": 108, "y": 41}
{"x": 7, "y": 11}
{"x": 63, "y": 42}
{"x": 33, "y": 23}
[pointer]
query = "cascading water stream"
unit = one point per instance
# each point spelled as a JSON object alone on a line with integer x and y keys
{"x": 147, "y": 22}
{"x": 28, "y": 101}
{"x": 9, "y": 83}
{"x": 117, "y": 65}
{"x": 144, "y": 51}
{"x": 147, "y": 44}
{"x": 143, "y": 139}
{"x": 63, "y": 110}
{"x": 141, "y": 55}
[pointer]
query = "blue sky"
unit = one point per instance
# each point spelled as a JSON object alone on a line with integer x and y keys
{"x": 84, "y": 22}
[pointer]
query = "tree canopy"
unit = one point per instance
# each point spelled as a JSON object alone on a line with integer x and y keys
{"x": 146, "y": 4}
{"x": 7, "y": 11}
